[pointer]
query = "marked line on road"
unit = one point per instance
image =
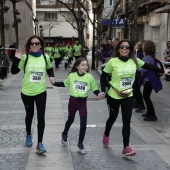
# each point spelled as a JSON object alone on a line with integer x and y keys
{"x": 91, "y": 126}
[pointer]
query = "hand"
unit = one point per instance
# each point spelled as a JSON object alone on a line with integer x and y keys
{"x": 18, "y": 53}
{"x": 167, "y": 71}
{"x": 101, "y": 95}
{"x": 52, "y": 80}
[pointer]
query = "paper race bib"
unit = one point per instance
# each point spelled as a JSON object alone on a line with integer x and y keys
{"x": 126, "y": 82}
{"x": 80, "y": 86}
{"x": 36, "y": 76}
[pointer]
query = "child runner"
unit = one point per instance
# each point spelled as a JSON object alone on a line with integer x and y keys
{"x": 79, "y": 83}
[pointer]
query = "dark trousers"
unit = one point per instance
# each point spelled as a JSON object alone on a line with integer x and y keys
{"x": 126, "y": 107}
{"x": 75, "y": 105}
{"x": 137, "y": 95}
{"x": 66, "y": 65}
{"x": 147, "y": 90}
{"x": 57, "y": 62}
{"x": 40, "y": 101}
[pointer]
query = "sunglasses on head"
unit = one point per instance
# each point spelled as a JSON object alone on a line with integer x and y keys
{"x": 124, "y": 46}
{"x": 35, "y": 43}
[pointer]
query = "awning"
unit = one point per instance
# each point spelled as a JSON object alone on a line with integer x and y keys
{"x": 62, "y": 29}
{"x": 165, "y": 9}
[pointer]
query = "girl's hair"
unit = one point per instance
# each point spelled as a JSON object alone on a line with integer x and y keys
{"x": 139, "y": 44}
{"x": 149, "y": 48}
{"x": 77, "y": 63}
{"x": 131, "y": 53}
{"x": 27, "y": 46}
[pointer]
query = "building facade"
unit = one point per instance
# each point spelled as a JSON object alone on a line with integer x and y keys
{"x": 27, "y": 9}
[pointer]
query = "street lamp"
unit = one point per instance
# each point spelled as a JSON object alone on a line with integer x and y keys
{"x": 126, "y": 20}
{"x": 41, "y": 31}
{"x": 94, "y": 6}
{"x": 3, "y": 10}
{"x": 16, "y": 20}
{"x": 36, "y": 25}
{"x": 50, "y": 27}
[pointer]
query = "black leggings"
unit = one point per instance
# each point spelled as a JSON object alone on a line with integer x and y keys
{"x": 40, "y": 101}
{"x": 126, "y": 107}
{"x": 147, "y": 90}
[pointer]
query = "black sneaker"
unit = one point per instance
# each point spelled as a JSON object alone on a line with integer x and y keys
{"x": 140, "y": 108}
{"x": 146, "y": 115}
{"x": 150, "y": 118}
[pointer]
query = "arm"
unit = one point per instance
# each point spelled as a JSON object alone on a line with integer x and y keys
{"x": 14, "y": 67}
{"x": 59, "y": 84}
{"x": 152, "y": 68}
{"x": 103, "y": 81}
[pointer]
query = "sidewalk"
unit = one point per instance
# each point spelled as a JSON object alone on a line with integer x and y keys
{"x": 151, "y": 140}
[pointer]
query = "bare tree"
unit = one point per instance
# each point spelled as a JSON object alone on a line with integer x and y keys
{"x": 76, "y": 8}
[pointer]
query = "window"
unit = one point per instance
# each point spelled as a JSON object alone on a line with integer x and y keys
{"x": 51, "y": 16}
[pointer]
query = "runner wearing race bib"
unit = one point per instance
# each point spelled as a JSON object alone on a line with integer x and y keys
{"x": 35, "y": 65}
{"x": 80, "y": 83}
{"x": 122, "y": 68}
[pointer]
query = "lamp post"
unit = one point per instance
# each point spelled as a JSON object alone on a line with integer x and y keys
{"x": 126, "y": 19}
{"x": 41, "y": 31}
{"x": 16, "y": 20}
{"x": 3, "y": 10}
{"x": 94, "y": 6}
{"x": 36, "y": 26}
{"x": 50, "y": 27}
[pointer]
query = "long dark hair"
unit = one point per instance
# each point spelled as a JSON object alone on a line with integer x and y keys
{"x": 149, "y": 48}
{"x": 27, "y": 46}
{"x": 131, "y": 53}
{"x": 77, "y": 63}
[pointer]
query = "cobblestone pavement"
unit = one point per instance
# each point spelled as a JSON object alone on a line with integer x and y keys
{"x": 151, "y": 140}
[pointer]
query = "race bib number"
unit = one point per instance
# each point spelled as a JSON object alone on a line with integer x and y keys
{"x": 36, "y": 76}
{"x": 126, "y": 82}
{"x": 80, "y": 86}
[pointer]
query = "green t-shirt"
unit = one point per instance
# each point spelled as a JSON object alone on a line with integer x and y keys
{"x": 56, "y": 52}
{"x": 70, "y": 52}
{"x": 79, "y": 86}
{"x": 122, "y": 75}
{"x": 34, "y": 80}
{"x": 77, "y": 50}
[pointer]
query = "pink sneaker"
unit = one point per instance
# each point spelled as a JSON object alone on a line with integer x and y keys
{"x": 128, "y": 151}
{"x": 105, "y": 141}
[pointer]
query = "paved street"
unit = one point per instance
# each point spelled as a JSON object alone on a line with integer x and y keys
{"x": 151, "y": 140}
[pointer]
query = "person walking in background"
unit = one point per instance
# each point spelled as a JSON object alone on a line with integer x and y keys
{"x": 150, "y": 80}
{"x": 57, "y": 55}
{"x": 137, "y": 95}
{"x": 35, "y": 65}
{"x": 122, "y": 68}
{"x": 66, "y": 60}
{"x": 77, "y": 49}
{"x": 166, "y": 56}
{"x": 79, "y": 83}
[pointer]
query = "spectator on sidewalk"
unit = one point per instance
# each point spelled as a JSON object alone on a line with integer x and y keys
{"x": 150, "y": 80}
{"x": 35, "y": 65}
{"x": 137, "y": 95}
{"x": 122, "y": 68}
{"x": 166, "y": 56}
{"x": 80, "y": 83}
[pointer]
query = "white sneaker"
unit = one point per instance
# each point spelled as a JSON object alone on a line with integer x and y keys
{"x": 81, "y": 148}
{"x": 64, "y": 140}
